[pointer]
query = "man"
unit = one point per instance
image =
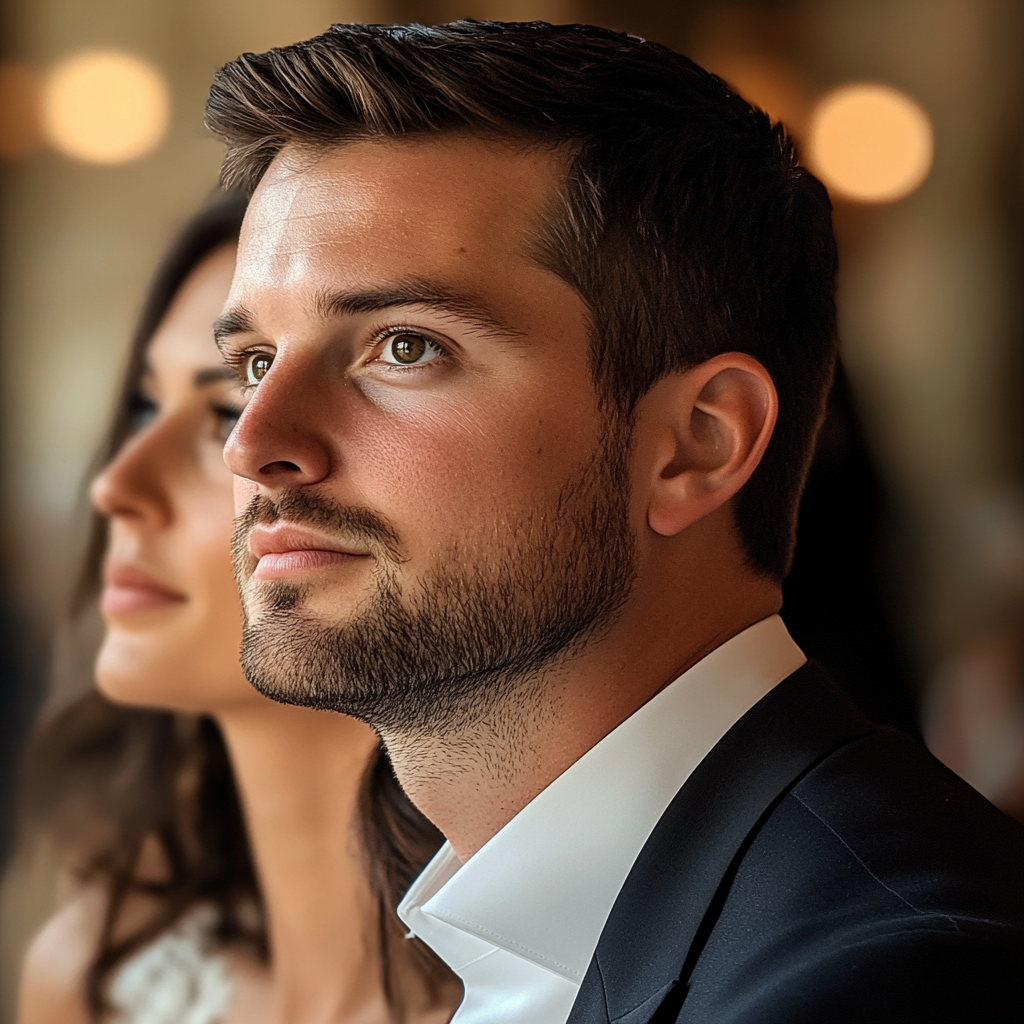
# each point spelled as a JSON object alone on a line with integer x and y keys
{"x": 538, "y": 325}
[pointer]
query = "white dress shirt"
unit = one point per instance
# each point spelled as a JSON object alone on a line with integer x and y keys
{"x": 520, "y": 920}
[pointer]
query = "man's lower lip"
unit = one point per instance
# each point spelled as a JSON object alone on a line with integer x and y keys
{"x": 124, "y": 600}
{"x": 287, "y": 563}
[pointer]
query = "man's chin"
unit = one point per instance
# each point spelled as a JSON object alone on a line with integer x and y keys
{"x": 271, "y": 687}
{"x": 277, "y": 669}
{"x": 320, "y": 607}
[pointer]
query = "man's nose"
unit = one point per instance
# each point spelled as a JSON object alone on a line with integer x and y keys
{"x": 280, "y": 440}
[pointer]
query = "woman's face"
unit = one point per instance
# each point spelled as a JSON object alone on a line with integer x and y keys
{"x": 169, "y": 600}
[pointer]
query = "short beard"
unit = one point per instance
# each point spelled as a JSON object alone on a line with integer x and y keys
{"x": 496, "y": 612}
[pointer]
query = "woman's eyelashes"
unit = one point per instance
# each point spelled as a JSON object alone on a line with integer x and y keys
{"x": 141, "y": 412}
{"x": 226, "y": 416}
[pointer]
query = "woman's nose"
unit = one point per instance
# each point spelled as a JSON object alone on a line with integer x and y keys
{"x": 130, "y": 485}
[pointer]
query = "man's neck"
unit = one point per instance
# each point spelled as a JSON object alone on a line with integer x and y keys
{"x": 472, "y": 782}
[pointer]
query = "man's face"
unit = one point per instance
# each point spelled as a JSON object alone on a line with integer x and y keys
{"x": 433, "y": 507}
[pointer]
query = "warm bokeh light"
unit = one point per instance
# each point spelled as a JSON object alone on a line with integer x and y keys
{"x": 105, "y": 107}
{"x": 870, "y": 143}
{"x": 19, "y": 110}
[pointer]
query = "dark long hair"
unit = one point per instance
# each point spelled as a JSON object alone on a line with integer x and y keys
{"x": 103, "y": 779}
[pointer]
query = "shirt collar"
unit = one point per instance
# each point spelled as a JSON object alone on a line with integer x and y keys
{"x": 543, "y": 887}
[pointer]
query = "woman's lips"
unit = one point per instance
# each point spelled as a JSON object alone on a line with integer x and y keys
{"x": 284, "y": 549}
{"x": 128, "y": 588}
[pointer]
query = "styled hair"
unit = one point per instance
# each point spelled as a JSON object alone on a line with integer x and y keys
{"x": 103, "y": 779}
{"x": 684, "y": 221}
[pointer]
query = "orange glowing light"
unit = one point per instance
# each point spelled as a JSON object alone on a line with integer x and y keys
{"x": 105, "y": 107}
{"x": 870, "y": 143}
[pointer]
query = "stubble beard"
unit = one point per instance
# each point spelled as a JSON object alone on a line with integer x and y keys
{"x": 495, "y": 613}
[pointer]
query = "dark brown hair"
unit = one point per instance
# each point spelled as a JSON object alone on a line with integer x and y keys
{"x": 685, "y": 221}
{"x": 103, "y": 779}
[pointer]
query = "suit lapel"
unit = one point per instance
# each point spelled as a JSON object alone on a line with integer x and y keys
{"x": 670, "y": 899}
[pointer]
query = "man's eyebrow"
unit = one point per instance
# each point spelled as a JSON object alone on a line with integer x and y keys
{"x": 328, "y": 305}
{"x": 235, "y": 321}
{"x": 213, "y": 375}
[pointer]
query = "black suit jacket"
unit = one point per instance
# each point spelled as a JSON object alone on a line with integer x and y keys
{"x": 817, "y": 869}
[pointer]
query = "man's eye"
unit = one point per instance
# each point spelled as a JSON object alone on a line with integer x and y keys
{"x": 257, "y": 366}
{"x": 407, "y": 349}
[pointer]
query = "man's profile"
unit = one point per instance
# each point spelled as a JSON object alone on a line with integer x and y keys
{"x": 538, "y": 324}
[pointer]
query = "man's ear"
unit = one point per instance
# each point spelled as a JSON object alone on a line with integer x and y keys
{"x": 706, "y": 430}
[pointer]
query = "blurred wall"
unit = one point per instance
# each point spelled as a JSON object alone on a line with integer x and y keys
{"x": 930, "y": 298}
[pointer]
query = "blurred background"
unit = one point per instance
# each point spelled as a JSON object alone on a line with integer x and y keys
{"x": 909, "y": 579}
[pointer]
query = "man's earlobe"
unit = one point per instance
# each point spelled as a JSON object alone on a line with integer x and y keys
{"x": 711, "y": 426}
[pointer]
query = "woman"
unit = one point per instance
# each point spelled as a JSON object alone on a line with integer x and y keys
{"x": 238, "y": 860}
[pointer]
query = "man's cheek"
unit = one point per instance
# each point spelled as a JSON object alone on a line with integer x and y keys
{"x": 426, "y": 477}
{"x": 431, "y": 447}
{"x": 244, "y": 490}
{"x": 438, "y": 460}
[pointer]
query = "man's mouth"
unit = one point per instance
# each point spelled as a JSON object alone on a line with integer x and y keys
{"x": 285, "y": 549}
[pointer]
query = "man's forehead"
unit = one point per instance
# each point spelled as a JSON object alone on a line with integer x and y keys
{"x": 461, "y": 213}
{"x": 403, "y": 192}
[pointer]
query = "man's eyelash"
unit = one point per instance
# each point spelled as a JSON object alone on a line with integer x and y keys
{"x": 382, "y": 335}
{"x": 237, "y": 362}
{"x": 380, "y": 338}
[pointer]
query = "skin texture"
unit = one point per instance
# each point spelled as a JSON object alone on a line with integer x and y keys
{"x": 168, "y": 496}
{"x": 492, "y": 428}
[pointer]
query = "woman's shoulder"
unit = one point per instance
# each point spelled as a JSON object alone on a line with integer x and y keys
{"x": 178, "y": 976}
{"x": 55, "y": 966}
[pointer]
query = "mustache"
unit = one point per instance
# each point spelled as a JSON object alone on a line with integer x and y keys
{"x": 351, "y": 522}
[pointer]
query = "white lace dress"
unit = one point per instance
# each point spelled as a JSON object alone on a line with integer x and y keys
{"x": 176, "y": 979}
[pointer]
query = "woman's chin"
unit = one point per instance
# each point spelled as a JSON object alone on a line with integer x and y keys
{"x": 139, "y": 692}
{"x": 134, "y": 670}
